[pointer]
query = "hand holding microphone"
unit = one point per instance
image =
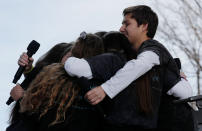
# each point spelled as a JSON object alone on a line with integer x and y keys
{"x": 31, "y": 49}
{"x": 17, "y": 92}
{"x": 24, "y": 60}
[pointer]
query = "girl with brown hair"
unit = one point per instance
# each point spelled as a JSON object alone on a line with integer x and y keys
{"x": 57, "y": 53}
{"x": 50, "y": 100}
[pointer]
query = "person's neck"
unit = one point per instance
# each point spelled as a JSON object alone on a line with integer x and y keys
{"x": 140, "y": 42}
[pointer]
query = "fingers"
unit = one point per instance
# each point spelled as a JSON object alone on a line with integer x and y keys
{"x": 31, "y": 60}
{"x": 23, "y": 60}
{"x": 183, "y": 75}
{"x": 95, "y": 95}
{"x": 98, "y": 100}
{"x": 17, "y": 92}
{"x": 93, "y": 98}
{"x": 91, "y": 94}
{"x": 93, "y": 101}
{"x": 29, "y": 66}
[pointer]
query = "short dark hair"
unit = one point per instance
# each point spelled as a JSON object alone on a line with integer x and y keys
{"x": 115, "y": 41}
{"x": 144, "y": 15}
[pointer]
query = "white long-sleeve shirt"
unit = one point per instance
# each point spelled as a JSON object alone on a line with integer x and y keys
{"x": 132, "y": 70}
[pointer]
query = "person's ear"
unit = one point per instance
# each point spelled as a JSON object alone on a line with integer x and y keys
{"x": 144, "y": 27}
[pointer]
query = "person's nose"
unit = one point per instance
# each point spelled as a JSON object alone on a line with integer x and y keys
{"x": 122, "y": 29}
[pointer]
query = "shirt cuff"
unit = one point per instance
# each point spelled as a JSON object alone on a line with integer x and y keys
{"x": 107, "y": 90}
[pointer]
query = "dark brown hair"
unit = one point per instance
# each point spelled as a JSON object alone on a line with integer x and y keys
{"x": 53, "y": 87}
{"x": 54, "y": 55}
{"x": 144, "y": 15}
{"x": 90, "y": 46}
{"x": 143, "y": 92}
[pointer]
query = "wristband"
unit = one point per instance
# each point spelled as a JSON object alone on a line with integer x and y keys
{"x": 26, "y": 72}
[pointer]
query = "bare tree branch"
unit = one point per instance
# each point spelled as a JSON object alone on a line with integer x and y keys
{"x": 183, "y": 29}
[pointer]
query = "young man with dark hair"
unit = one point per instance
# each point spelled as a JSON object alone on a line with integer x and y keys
{"x": 139, "y": 26}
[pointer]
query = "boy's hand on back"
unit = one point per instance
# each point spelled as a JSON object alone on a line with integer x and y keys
{"x": 96, "y": 95}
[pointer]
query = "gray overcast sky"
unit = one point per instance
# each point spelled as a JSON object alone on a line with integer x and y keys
{"x": 49, "y": 22}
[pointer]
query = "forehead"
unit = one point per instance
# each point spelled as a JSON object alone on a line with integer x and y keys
{"x": 127, "y": 18}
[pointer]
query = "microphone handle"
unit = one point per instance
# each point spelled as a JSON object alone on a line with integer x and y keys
{"x": 16, "y": 78}
{"x": 9, "y": 101}
{"x": 18, "y": 74}
{"x": 20, "y": 70}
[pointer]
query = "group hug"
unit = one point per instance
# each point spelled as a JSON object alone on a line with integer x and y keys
{"x": 109, "y": 80}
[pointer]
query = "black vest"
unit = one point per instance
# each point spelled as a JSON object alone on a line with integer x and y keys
{"x": 170, "y": 72}
{"x": 172, "y": 117}
{"x": 124, "y": 108}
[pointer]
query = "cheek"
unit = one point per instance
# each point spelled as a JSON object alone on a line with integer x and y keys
{"x": 66, "y": 57}
{"x": 130, "y": 32}
{"x": 63, "y": 60}
{"x": 133, "y": 32}
{"x": 131, "y": 36}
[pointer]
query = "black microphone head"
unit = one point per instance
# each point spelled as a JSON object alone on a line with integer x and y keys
{"x": 178, "y": 62}
{"x": 32, "y": 48}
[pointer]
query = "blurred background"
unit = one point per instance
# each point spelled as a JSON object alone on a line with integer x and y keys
{"x": 53, "y": 21}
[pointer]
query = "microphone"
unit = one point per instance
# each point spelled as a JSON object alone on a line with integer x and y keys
{"x": 31, "y": 49}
